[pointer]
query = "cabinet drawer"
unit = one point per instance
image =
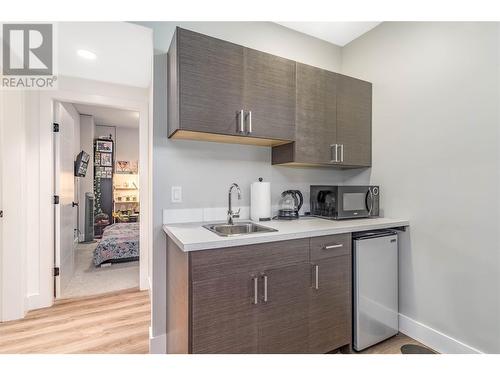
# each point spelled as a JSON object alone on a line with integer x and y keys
{"x": 208, "y": 264}
{"x": 330, "y": 246}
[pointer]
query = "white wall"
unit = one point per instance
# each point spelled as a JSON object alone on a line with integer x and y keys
{"x": 205, "y": 170}
{"x": 126, "y": 141}
{"x": 436, "y": 157}
{"x": 127, "y": 144}
{"x": 87, "y": 130}
{"x": 13, "y": 178}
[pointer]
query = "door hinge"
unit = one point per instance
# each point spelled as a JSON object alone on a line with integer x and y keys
{"x": 56, "y": 199}
{"x": 56, "y": 127}
{"x": 56, "y": 271}
{"x": 1, "y": 213}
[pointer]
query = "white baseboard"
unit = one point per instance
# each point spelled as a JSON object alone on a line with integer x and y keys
{"x": 157, "y": 344}
{"x": 434, "y": 339}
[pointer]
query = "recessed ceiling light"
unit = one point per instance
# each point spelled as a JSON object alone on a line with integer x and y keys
{"x": 86, "y": 54}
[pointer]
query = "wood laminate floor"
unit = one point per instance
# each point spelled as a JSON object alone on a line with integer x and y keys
{"x": 110, "y": 323}
{"x": 392, "y": 345}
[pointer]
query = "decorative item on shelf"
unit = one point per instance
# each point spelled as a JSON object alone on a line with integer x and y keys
{"x": 119, "y": 199}
{"x": 127, "y": 198}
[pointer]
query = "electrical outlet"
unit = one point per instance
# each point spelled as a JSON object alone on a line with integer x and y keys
{"x": 176, "y": 194}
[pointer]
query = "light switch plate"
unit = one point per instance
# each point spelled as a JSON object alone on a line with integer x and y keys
{"x": 176, "y": 194}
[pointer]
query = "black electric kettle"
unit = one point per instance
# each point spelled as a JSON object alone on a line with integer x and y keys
{"x": 290, "y": 204}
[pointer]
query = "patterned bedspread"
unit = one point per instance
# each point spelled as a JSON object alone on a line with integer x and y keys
{"x": 119, "y": 242}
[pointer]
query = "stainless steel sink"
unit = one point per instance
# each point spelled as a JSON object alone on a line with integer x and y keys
{"x": 237, "y": 229}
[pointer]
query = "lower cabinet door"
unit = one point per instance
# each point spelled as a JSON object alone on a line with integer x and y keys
{"x": 330, "y": 304}
{"x": 224, "y": 316}
{"x": 283, "y": 298}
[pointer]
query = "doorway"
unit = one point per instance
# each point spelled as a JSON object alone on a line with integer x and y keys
{"x": 97, "y": 186}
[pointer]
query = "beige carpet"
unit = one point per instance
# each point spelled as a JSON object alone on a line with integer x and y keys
{"x": 89, "y": 280}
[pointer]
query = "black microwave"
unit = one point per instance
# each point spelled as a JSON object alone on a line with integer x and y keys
{"x": 344, "y": 202}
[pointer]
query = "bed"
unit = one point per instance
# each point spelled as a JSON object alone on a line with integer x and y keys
{"x": 119, "y": 243}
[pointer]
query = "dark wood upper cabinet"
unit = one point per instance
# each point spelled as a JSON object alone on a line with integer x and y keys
{"x": 224, "y": 92}
{"x": 354, "y": 121}
{"x": 333, "y": 121}
{"x": 269, "y": 96}
{"x": 209, "y": 77}
{"x": 316, "y": 119}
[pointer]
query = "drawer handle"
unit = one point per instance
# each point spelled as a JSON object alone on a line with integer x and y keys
{"x": 333, "y": 246}
{"x": 255, "y": 290}
{"x": 265, "y": 288}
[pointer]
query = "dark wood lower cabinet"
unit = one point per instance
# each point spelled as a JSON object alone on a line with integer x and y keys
{"x": 278, "y": 308}
{"x": 330, "y": 305}
{"x": 283, "y": 318}
{"x": 224, "y": 318}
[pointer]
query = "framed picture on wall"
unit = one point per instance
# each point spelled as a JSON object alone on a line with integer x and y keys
{"x": 106, "y": 160}
{"x": 97, "y": 158}
{"x": 122, "y": 166}
{"x": 104, "y": 146}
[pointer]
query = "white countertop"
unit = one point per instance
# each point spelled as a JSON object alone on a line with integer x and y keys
{"x": 192, "y": 236}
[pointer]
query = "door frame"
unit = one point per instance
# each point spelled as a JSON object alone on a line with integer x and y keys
{"x": 47, "y": 188}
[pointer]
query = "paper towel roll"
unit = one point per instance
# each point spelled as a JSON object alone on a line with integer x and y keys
{"x": 260, "y": 200}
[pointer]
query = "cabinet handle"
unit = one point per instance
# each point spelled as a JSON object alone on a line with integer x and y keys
{"x": 249, "y": 122}
{"x": 334, "y": 246}
{"x": 255, "y": 290}
{"x": 265, "y": 288}
{"x": 336, "y": 160}
{"x": 316, "y": 277}
{"x": 242, "y": 121}
{"x": 342, "y": 153}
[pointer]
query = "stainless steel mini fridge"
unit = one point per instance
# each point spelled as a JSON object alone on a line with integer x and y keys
{"x": 375, "y": 287}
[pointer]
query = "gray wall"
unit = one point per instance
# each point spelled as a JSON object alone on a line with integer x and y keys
{"x": 436, "y": 155}
{"x": 205, "y": 170}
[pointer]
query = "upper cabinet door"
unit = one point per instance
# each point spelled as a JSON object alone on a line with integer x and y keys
{"x": 354, "y": 121}
{"x": 269, "y": 95}
{"x": 210, "y": 78}
{"x": 316, "y": 127}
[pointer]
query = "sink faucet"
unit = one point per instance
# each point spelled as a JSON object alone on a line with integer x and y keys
{"x": 230, "y": 213}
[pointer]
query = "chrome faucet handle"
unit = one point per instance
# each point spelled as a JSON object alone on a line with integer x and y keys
{"x": 237, "y": 213}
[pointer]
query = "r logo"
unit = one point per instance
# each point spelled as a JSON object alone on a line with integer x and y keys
{"x": 27, "y": 49}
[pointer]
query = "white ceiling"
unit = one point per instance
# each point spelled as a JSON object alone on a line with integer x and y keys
{"x": 124, "y": 52}
{"x": 339, "y": 33}
{"x": 110, "y": 116}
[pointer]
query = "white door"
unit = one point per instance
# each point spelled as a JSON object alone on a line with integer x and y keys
{"x": 1, "y": 206}
{"x": 64, "y": 184}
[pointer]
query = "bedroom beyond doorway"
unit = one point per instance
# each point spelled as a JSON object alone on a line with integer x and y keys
{"x": 97, "y": 184}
